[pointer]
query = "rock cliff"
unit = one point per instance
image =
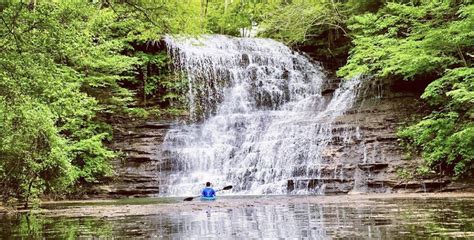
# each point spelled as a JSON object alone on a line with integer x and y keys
{"x": 370, "y": 162}
{"x": 142, "y": 166}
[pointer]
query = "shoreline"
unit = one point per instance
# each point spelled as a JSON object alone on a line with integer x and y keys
{"x": 155, "y": 206}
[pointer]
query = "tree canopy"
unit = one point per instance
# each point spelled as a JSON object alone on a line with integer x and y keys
{"x": 66, "y": 66}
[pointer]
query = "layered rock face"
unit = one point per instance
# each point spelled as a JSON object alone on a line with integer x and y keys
{"x": 143, "y": 166}
{"x": 272, "y": 122}
{"x": 369, "y": 161}
{"x": 364, "y": 154}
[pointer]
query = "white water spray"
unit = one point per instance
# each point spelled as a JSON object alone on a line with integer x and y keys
{"x": 265, "y": 119}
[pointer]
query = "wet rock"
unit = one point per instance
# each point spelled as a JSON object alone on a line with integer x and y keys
{"x": 423, "y": 185}
{"x": 364, "y": 153}
{"x": 330, "y": 86}
{"x": 328, "y": 91}
{"x": 155, "y": 125}
{"x": 290, "y": 186}
{"x": 245, "y": 60}
{"x": 372, "y": 166}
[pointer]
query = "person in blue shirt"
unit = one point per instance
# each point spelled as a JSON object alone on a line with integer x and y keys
{"x": 208, "y": 192}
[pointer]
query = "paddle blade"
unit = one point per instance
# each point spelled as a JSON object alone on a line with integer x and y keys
{"x": 227, "y": 187}
{"x": 188, "y": 199}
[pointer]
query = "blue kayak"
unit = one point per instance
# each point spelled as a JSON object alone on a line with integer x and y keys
{"x": 208, "y": 198}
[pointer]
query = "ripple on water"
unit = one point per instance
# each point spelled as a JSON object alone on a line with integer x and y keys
{"x": 270, "y": 217}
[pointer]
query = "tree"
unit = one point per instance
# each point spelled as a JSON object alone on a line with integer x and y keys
{"x": 423, "y": 41}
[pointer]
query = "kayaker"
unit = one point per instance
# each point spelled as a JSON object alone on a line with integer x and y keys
{"x": 208, "y": 192}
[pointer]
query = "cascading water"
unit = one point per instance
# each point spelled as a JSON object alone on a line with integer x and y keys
{"x": 264, "y": 118}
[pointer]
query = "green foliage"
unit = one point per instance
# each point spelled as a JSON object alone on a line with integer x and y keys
{"x": 67, "y": 66}
{"x": 423, "y": 170}
{"x": 444, "y": 141}
{"x": 50, "y": 69}
{"x": 31, "y": 150}
{"x": 149, "y": 79}
{"x": 446, "y": 137}
{"x": 138, "y": 112}
{"x": 159, "y": 83}
{"x": 404, "y": 174}
{"x": 317, "y": 26}
{"x": 455, "y": 90}
{"x": 301, "y": 21}
{"x": 409, "y": 41}
{"x": 235, "y": 17}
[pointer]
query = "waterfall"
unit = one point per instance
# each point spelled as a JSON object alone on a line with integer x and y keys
{"x": 260, "y": 116}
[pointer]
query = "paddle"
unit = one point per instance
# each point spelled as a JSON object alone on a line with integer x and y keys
{"x": 225, "y": 188}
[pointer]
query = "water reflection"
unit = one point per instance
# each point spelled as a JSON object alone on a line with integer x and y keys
{"x": 375, "y": 219}
{"x": 39, "y": 227}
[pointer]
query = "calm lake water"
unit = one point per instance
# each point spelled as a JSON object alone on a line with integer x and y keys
{"x": 378, "y": 219}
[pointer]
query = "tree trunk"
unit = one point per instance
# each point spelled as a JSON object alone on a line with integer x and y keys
{"x": 27, "y": 200}
{"x": 32, "y": 5}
